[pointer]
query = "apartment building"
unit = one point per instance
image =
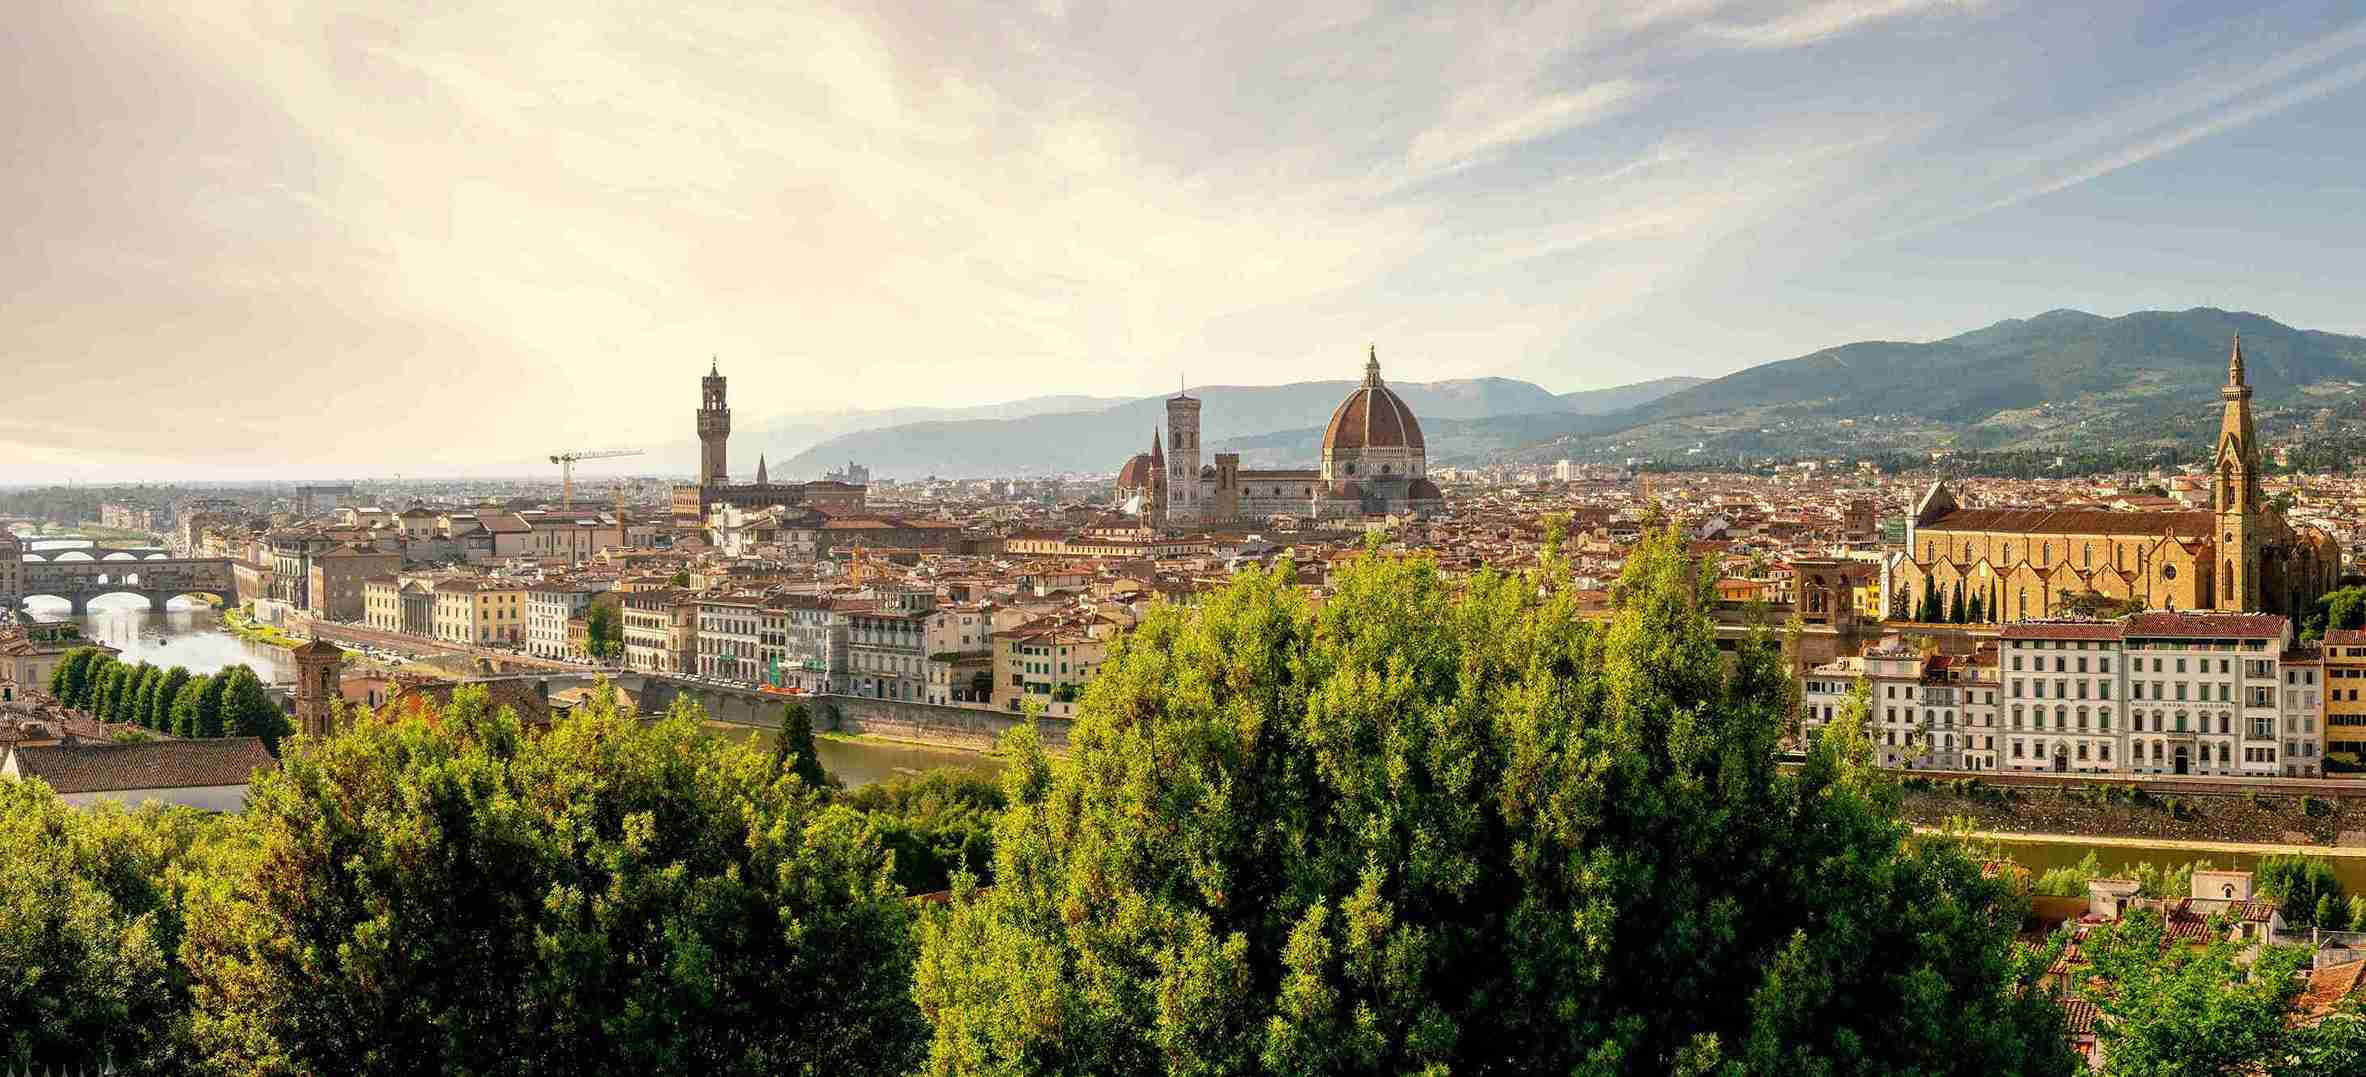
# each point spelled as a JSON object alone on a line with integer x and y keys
{"x": 2152, "y": 693}
{"x": 337, "y": 576}
{"x": 730, "y": 636}
{"x": 1045, "y": 662}
{"x": 482, "y": 611}
{"x": 660, "y": 631}
{"x": 550, "y": 604}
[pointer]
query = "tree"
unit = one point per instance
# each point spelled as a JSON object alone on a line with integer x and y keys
{"x": 1955, "y": 609}
{"x": 795, "y": 752}
{"x": 2173, "y": 1007}
{"x": 146, "y": 679}
{"x": 937, "y": 823}
{"x": 208, "y": 716}
{"x": 187, "y": 704}
{"x": 442, "y": 893}
{"x": 2301, "y": 885}
{"x": 89, "y": 923}
{"x": 1978, "y": 613}
{"x": 603, "y": 633}
{"x": 247, "y": 710}
{"x": 1443, "y": 828}
{"x": 111, "y": 678}
{"x": 681, "y": 578}
{"x": 71, "y": 676}
{"x": 160, "y": 710}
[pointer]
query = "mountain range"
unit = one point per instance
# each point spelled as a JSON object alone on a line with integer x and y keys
{"x": 2062, "y": 378}
{"x": 1270, "y": 424}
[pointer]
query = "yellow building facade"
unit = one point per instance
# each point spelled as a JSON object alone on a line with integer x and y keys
{"x": 2238, "y": 555}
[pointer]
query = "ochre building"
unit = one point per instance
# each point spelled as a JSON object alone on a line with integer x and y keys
{"x": 2021, "y": 563}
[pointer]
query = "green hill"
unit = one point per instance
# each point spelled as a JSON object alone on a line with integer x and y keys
{"x": 2051, "y": 379}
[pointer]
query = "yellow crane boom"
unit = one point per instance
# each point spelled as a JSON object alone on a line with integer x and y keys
{"x": 566, "y": 462}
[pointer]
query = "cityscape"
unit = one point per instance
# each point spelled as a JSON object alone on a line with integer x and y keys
{"x": 1660, "y": 637}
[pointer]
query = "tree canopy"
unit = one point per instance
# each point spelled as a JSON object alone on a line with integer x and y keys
{"x": 444, "y": 893}
{"x": 1430, "y": 828}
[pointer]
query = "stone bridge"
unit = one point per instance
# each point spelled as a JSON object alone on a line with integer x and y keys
{"x": 99, "y": 553}
{"x": 153, "y": 575}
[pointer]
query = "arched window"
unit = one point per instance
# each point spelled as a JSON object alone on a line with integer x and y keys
{"x": 2045, "y": 553}
{"x": 2086, "y": 555}
{"x": 2061, "y": 717}
{"x": 2181, "y": 721}
{"x": 2082, "y": 719}
{"x": 1967, "y": 552}
{"x": 2016, "y": 716}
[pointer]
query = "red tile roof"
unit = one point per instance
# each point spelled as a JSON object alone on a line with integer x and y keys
{"x": 2062, "y": 630}
{"x": 2204, "y": 625}
{"x": 161, "y": 764}
{"x": 2074, "y": 522}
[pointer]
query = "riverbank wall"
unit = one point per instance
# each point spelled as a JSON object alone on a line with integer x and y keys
{"x": 935, "y": 725}
{"x": 2334, "y": 818}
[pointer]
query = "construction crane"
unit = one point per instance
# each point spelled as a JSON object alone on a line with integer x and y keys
{"x": 566, "y": 462}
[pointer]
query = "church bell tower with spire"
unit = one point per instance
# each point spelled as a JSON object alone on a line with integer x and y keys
{"x": 2242, "y": 527}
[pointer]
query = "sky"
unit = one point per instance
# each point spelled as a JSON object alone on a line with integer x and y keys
{"x": 322, "y": 239}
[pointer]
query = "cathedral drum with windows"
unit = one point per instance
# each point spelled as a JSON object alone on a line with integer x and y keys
{"x": 2014, "y": 564}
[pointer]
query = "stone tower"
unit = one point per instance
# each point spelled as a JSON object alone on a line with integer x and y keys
{"x": 714, "y": 429}
{"x": 318, "y": 687}
{"x": 2242, "y": 528}
{"x": 1154, "y": 507}
{"x": 1183, "y": 457}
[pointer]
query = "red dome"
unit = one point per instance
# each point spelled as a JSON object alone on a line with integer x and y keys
{"x": 1136, "y": 472}
{"x": 1373, "y": 417}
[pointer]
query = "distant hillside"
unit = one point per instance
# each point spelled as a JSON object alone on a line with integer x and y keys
{"x": 2052, "y": 379}
{"x": 786, "y": 435}
{"x": 1616, "y": 398}
{"x": 1101, "y": 440}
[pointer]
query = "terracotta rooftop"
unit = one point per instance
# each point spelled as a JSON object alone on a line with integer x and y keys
{"x": 2075, "y": 522}
{"x": 2204, "y": 625}
{"x": 2061, "y": 630}
{"x": 162, "y": 764}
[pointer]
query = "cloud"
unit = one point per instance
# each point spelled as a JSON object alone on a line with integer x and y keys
{"x": 1811, "y": 23}
{"x": 1472, "y": 135}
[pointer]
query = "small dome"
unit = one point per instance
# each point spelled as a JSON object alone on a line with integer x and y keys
{"x": 1373, "y": 417}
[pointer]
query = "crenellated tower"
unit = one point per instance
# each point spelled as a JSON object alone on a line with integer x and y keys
{"x": 2242, "y": 527}
{"x": 714, "y": 429}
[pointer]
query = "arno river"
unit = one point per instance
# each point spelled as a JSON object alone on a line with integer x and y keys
{"x": 190, "y": 634}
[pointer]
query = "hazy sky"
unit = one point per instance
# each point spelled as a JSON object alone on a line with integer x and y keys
{"x": 256, "y": 237}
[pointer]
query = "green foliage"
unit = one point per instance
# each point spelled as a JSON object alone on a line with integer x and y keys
{"x": 186, "y": 705}
{"x": 795, "y": 753}
{"x": 69, "y": 680}
{"x": 2178, "y": 1008}
{"x": 160, "y": 708}
{"x": 603, "y": 632}
{"x": 247, "y": 710}
{"x": 937, "y": 823}
{"x": 681, "y": 578}
{"x": 1430, "y": 829}
{"x": 90, "y": 918}
{"x": 2343, "y": 607}
{"x": 451, "y": 895}
{"x": 209, "y": 720}
{"x": 2302, "y": 885}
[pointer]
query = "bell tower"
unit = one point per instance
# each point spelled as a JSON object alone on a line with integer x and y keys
{"x": 1183, "y": 493}
{"x": 2236, "y": 498}
{"x": 714, "y": 429}
{"x": 318, "y": 687}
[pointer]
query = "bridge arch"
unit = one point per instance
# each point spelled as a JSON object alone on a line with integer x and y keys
{"x": 119, "y": 555}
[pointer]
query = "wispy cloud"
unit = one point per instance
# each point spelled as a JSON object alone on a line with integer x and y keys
{"x": 1473, "y": 132}
{"x": 1811, "y": 23}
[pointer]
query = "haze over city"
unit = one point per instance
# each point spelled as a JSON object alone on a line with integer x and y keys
{"x": 269, "y": 230}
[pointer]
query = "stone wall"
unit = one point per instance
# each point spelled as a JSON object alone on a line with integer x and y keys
{"x": 920, "y": 723}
